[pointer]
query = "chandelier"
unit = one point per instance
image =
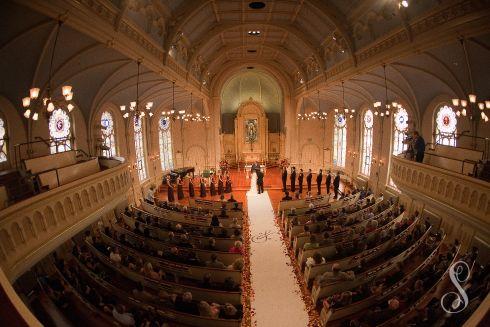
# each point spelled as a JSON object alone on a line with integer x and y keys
{"x": 387, "y": 105}
{"x": 464, "y": 105}
{"x": 321, "y": 115}
{"x": 345, "y": 109}
{"x": 134, "y": 106}
{"x": 48, "y": 103}
{"x": 174, "y": 114}
{"x": 196, "y": 116}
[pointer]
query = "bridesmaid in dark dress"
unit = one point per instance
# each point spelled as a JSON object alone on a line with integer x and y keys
{"x": 228, "y": 184}
{"x": 300, "y": 181}
{"x": 220, "y": 185}
{"x": 170, "y": 191}
{"x": 212, "y": 187}
{"x": 180, "y": 189}
{"x": 191, "y": 187}
{"x": 202, "y": 188}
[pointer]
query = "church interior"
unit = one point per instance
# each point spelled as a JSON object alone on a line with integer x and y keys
{"x": 227, "y": 163}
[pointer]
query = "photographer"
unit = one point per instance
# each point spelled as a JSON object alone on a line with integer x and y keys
{"x": 418, "y": 146}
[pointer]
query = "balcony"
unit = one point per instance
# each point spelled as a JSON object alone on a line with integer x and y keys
{"x": 31, "y": 229}
{"x": 468, "y": 195}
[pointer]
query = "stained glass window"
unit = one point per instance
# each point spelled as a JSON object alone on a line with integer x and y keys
{"x": 339, "y": 140}
{"x": 399, "y": 133}
{"x": 3, "y": 143}
{"x": 367, "y": 143}
{"x": 446, "y": 126}
{"x": 139, "y": 146}
{"x": 108, "y": 138}
{"x": 165, "y": 141}
{"x": 60, "y": 131}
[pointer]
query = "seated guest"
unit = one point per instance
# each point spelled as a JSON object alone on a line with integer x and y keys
{"x": 228, "y": 311}
{"x": 312, "y": 244}
{"x": 141, "y": 294}
{"x": 286, "y": 197}
{"x": 208, "y": 310}
{"x": 183, "y": 303}
{"x": 215, "y": 263}
{"x": 121, "y": 316}
{"x": 231, "y": 199}
{"x": 114, "y": 256}
{"x": 215, "y": 221}
{"x": 235, "y": 224}
{"x": 236, "y": 234}
{"x": 236, "y": 248}
{"x": 335, "y": 275}
{"x": 235, "y": 207}
{"x": 317, "y": 259}
{"x": 236, "y": 265}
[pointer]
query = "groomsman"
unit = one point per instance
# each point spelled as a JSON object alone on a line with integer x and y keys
{"x": 300, "y": 181}
{"x": 336, "y": 184}
{"x": 260, "y": 181}
{"x": 329, "y": 182}
{"x": 284, "y": 179}
{"x": 319, "y": 179}
{"x": 293, "y": 179}
{"x": 308, "y": 179}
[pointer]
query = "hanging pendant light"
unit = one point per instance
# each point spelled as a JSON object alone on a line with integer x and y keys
{"x": 134, "y": 106}
{"x": 48, "y": 103}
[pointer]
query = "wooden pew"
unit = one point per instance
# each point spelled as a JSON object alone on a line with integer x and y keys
{"x": 179, "y": 269}
{"x": 336, "y": 314}
{"x": 203, "y": 220}
{"x": 181, "y": 318}
{"x": 198, "y": 293}
{"x": 351, "y": 261}
{"x": 204, "y": 255}
{"x": 214, "y": 205}
{"x": 322, "y": 291}
{"x": 222, "y": 244}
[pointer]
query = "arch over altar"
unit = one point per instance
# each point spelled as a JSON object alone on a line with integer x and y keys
{"x": 251, "y": 132}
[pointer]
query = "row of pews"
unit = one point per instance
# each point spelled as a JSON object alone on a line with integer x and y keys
{"x": 163, "y": 265}
{"x": 364, "y": 260}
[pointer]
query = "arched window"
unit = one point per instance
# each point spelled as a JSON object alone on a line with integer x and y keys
{"x": 139, "y": 146}
{"x": 107, "y": 131}
{"x": 339, "y": 140}
{"x": 3, "y": 140}
{"x": 60, "y": 131}
{"x": 367, "y": 143}
{"x": 446, "y": 126}
{"x": 400, "y": 131}
{"x": 165, "y": 141}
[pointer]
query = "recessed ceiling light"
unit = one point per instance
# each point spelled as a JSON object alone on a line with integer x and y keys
{"x": 257, "y": 5}
{"x": 254, "y": 33}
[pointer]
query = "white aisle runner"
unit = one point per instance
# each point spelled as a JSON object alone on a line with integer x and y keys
{"x": 277, "y": 300}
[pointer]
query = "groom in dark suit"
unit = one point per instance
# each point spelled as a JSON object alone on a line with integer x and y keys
{"x": 260, "y": 181}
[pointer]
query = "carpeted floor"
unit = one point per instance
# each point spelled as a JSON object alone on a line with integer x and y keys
{"x": 277, "y": 299}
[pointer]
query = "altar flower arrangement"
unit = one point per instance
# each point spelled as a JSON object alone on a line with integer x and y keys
{"x": 284, "y": 163}
{"x": 224, "y": 165}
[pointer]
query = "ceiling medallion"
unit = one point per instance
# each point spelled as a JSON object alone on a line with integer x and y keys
{"x": 256, "y": 5}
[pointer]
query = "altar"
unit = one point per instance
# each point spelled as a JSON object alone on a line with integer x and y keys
{"x": 251, "y": 135}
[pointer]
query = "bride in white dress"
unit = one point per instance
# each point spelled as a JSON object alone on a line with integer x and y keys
{"x": 253, "y": 183}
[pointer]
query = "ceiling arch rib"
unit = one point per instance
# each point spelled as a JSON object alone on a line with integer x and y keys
{"x": 283, "y": 51}
{"x": 291, "y": 29}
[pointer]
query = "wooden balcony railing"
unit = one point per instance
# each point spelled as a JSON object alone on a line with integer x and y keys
{"x": 31, "y": 229}
{"x": 465, "y": 194}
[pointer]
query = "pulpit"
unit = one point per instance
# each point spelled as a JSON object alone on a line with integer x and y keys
{"x": 251, "y": 132}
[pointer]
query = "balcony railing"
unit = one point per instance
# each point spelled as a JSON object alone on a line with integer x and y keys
{"x": 31, "y": 229}
{"x": 466, "y": 194}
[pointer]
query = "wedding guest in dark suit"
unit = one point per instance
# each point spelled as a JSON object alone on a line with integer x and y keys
{"x": 300, "y": 181}
{"x": 293, "y": 179}
{"x": 228, "y": 184}
{"x": 319, "y": 179}
{"x": 191, "y": 187}
{"x": 170, "y": 191}
{"x": 180, "y": 188}
{"x": 202, "y": 188}
{"x": 329, "y": 181}
{"x": 212, "y": 187}
{"x": 284, "y": 179}
{"x": 308, "y": 179}
{"x": 336, "y": 184}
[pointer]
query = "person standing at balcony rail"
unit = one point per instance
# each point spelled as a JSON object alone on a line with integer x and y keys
{"x": 418, "y": 146}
